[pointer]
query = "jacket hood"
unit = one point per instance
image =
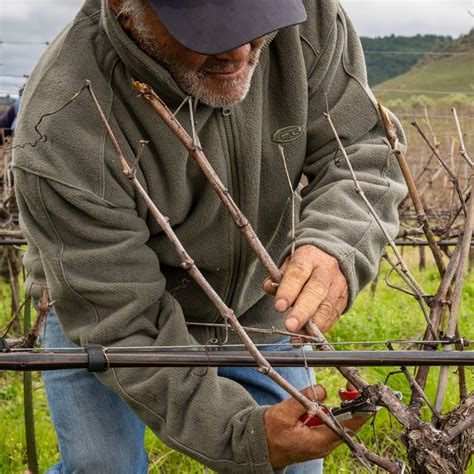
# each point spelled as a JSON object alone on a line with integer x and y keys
{"x": 141, "y": 66}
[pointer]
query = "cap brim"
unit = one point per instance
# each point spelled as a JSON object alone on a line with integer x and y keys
{"x": 216, "y": 26}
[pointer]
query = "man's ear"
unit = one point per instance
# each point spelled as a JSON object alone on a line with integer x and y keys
{"x": 116, "y": 7}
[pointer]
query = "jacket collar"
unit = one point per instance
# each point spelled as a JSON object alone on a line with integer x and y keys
{"x": 140, "y": 65}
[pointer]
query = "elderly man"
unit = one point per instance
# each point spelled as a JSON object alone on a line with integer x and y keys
{"x": 262, "y": 73}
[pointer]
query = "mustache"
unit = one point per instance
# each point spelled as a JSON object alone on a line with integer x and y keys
{"x": 213, "y": 65}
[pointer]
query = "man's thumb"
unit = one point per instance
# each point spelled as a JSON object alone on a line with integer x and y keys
{"x": 314, "y": 392}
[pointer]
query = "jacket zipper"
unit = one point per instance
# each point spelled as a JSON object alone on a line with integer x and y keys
{"x": 270, "y": 39}
{"x": 237, "y": 266}
{"x": 234, "y": 174}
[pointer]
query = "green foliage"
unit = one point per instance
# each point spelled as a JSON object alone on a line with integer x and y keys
{"x": 389, "y": 315}
{"x": 444, "y": 79}
{"x": 420, "y": 101}
{"x": 457, "y": 100}
{"x": 392, "y": 56}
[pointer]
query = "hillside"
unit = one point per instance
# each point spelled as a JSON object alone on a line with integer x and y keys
{"x": 391, "y": 56}
{"x": 446, "y": 76}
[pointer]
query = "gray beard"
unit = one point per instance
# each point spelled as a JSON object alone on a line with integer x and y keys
{"x": 190, "y": 81}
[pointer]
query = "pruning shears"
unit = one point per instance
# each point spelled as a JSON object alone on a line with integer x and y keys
{"x": 353, "y": 404}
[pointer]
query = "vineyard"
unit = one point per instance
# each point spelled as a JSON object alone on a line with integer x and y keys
{"x": 405, "y": 347}
{"x": 427, "y": 296}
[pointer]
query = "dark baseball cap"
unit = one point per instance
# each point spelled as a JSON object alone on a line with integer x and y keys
{"x": 216, "y": 26}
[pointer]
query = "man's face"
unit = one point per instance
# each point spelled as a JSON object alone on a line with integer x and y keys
{"x": 218, "y": 80}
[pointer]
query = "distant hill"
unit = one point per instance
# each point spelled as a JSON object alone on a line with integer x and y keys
{"x": 390, "y": 56}
{"x": 447, "y": 75}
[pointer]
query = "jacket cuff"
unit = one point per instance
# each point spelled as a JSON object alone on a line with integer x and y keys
{"x": 256, "y": 443}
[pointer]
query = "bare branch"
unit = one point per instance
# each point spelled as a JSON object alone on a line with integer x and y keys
{"x": 195, "y": 150}
{"x": 188, "y": 264}
{"x": 413, "y": 284}
{"x": 293, "y": 201}
{"x": 421, "y": 215}
{"x": 456, "y": 300}
{"x": 196, "y": 153}
{"x": 451, "y": 174}
{"x": 461, "y": 140}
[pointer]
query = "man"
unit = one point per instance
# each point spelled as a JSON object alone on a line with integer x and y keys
{"x": 8, "y": 118}
{"x": 116, "y": 280}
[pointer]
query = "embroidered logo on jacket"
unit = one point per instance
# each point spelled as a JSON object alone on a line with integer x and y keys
{"x": 288, "y": 134}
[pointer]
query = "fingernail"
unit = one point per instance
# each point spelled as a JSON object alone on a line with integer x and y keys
{"x": 323, "y": 389}
{"x": 292, "y": 324}
{"x": 281, "y": 305}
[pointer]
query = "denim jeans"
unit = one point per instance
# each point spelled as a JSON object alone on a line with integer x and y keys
{"x": 97, "y": 432}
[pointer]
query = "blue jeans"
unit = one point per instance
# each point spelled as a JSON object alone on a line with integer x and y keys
{"x": 97, "y": 432}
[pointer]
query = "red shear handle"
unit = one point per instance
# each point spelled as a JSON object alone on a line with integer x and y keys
{"x": 312, "y": 421}
{"x": 348, "y": 395}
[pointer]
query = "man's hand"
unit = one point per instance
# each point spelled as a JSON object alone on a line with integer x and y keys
{"x": 290, "y": 441}
{"x": 313, "y": 285}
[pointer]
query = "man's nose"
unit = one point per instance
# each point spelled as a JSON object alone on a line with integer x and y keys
{"x": 237, "y": 55}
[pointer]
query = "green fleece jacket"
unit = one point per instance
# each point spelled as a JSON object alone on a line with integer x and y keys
{"x": 114, "y": 277}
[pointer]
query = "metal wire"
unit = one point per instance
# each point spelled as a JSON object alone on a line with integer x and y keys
{"x": 290, "y": 345}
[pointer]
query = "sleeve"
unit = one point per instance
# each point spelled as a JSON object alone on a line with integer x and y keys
{"x": 108, "y": 289}
{"x": 333, "y": 216}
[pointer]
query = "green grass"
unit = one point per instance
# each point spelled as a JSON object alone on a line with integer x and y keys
{"x": 450, "y": 74}
{"x": 453, "y": 74}
{"x": 390, "y": 315}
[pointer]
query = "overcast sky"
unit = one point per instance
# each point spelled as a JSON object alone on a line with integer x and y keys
{"x": 40, "y": 21}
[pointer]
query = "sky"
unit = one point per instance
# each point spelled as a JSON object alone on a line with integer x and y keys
{"x": 39, "y": 21}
